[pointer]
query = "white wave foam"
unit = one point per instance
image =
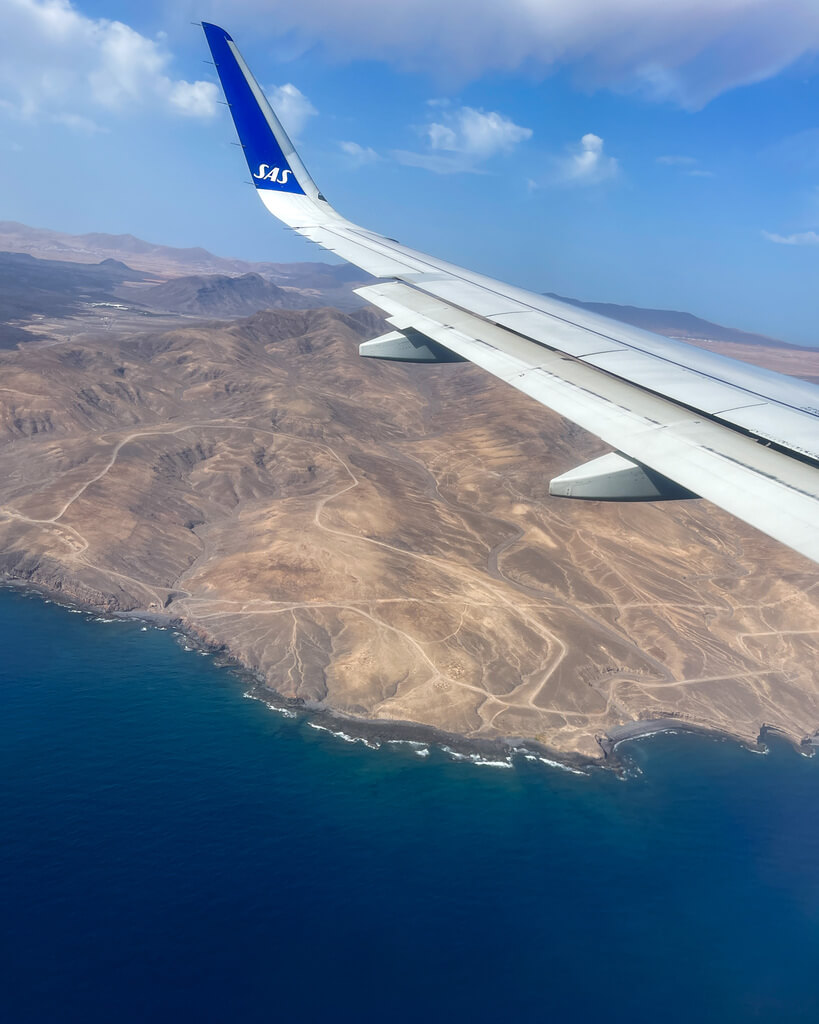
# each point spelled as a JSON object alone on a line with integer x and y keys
{"x": 555, "y": 764}
{"x": 646, "y": 735}
{"x": 144, "y": 629}
{"x": 422, "y": 752}
{"x": 285, "y": 712}
{"x": 477, "y": 759}
{"x": 372, "y": 744}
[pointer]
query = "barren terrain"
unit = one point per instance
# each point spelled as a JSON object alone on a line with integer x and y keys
{"x": 378, "y": 539}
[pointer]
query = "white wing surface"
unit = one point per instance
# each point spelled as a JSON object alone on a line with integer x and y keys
{"x": 683, "y": 422}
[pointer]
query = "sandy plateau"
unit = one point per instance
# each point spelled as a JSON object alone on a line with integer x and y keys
{"x": 378, "y": 539}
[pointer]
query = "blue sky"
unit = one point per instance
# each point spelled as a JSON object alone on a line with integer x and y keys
{"x": 617, "y": 150}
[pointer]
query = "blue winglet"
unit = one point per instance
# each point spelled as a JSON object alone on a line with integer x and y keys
{"x": 260, "y": 131}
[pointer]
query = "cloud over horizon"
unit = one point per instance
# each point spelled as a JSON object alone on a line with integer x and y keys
{"x": 799, "y": 238}
{"x": 463, "y": 138}
{"x": 357, "y": 154}
{"x": 686, "y": 164}
{"x": 56, "y": 62}
{"x": 682, "y": 51}
{"x": 293, "y": 108}
{"x": 585, "y": 163}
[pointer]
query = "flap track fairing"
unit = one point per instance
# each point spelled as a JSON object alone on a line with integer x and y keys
{"x": 613, "y": 477}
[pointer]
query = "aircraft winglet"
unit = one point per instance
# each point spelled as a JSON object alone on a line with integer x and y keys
{"x": 273, "y": 161}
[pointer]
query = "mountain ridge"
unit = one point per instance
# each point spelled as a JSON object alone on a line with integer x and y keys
{"x": 673, "y": 323}
{"x": 218, "y": 295}
{"x": 331, "y": 284}
{"x": 95, "y": 246}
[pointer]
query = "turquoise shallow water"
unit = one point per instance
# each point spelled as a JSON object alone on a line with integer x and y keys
{"x": 172, "y": 851}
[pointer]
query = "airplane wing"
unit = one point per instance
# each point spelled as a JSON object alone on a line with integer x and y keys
{"x": 682, "y": 421}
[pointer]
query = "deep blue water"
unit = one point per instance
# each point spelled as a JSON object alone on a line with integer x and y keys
{"x": 174, "y": 852}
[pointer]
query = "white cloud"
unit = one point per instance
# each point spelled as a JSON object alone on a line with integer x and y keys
{"x": 476, "y": 133}
{"x": 586, "y": 163}
{"x": 684, "y": 51}
{"x": 687, "y": 165}
{"x": 359, "y": 155}
{"x": 78, "y": 123}
{"x": 676, "y": 161}
{"x": 293, "y": 108}
{"x": 439, "y": 163}
{"x": 463, "y": 139}
{"x": 195, "y": 99}
{"x": 800, "y": 238}
{"x": 57, "y": 63}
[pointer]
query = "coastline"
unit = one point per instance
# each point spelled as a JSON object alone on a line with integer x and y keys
{"x": 350, "y": 555}
{"x": 374, "y": 733}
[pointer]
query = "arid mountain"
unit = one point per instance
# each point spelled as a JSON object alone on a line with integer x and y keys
{"x": 220, "y": 295}
{"x": 672, "y": 323}
{"x": 167, "y": 261}
{"x": 95, "y": 246}
{"x": 325, "y": 283}
{"x": 34, "y": 291}
{"x": 33, "y": 288}
{"x": 379, "y": 539}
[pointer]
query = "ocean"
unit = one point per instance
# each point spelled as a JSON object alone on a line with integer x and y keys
{"x": 172, "y": 851}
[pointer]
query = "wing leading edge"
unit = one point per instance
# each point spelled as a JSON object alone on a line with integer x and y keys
{"x": 683, "y": 420}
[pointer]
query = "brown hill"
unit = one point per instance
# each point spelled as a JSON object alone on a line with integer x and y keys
{"x": 220, "y": 295}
